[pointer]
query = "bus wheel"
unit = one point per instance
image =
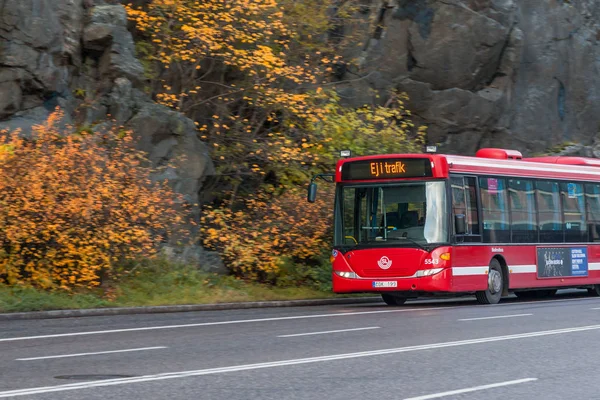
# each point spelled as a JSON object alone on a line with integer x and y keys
{"x": 392, "y": 300}
{"x": 594, "y": 291}
{"x": 493, "y": 293}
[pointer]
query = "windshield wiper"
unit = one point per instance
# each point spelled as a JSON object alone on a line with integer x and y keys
{"x": 410, "y": 240}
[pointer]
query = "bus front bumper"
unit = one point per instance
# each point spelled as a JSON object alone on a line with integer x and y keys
{"x": 440, "y": 282}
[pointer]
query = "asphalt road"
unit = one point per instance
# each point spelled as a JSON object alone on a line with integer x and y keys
{"x": 424, "y": 350}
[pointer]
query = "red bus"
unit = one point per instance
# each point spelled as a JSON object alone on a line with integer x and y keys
{"x": 411, "y": 225}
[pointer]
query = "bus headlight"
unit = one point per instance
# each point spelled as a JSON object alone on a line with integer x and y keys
{"x": 345, "y": 274}
{"x": 428, "y": 272}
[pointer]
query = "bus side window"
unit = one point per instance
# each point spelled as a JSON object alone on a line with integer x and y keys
{"x": 549, "y": 212}
{"x": 573, "y": 212}
{"x": 592, "y": 200}
{"x": 464, "y": 202}
{"x": 472, "y": 212}
{"x": 459, "y": 203}
{"x": 494, "y": 205}
{"x": 523, "y": 211}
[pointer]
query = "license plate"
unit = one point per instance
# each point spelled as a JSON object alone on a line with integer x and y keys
{"x": 385, "y": 284}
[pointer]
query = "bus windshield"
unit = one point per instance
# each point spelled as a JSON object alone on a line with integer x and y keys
{"x": 410, "y": 214}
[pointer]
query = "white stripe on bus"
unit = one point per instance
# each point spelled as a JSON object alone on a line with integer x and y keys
{"x": 466, "y": 271}
{"x": 513, "y": 269}
{"x": 522, "y": 269}
{"x": 525, "y": 166}
{"x": 594, "y": 267}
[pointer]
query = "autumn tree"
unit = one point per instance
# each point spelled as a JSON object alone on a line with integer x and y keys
{"x": 256, "y": 77}
{"x": 245, "y": 72}
{"x": 256, "y": 239}
{"x": 74, "y": 206}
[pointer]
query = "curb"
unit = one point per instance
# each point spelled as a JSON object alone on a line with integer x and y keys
{"x": 101, "y": 312}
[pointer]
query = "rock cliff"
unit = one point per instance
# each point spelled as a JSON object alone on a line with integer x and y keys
{"x": 487, "y": 73}
{"x": 502, "y": 73}
{"x": 79, "y": 55}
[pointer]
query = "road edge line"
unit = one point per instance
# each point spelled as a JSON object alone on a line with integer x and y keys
{"x": 103, "y": 312}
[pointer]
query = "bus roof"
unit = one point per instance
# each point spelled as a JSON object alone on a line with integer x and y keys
{"x": 490, "y": 161}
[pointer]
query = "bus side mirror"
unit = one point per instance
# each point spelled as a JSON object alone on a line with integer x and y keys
{"x": 460, "y": 224}
{"x": 312, "y": 192}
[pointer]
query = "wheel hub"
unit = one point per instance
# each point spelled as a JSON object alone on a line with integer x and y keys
{"x": 494, "y": 281}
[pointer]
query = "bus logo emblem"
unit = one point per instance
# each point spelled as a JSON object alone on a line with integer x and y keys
{"x": 384, "y": 262}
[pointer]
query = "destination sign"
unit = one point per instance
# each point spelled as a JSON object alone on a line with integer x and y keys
{"x": 386, "y": 169}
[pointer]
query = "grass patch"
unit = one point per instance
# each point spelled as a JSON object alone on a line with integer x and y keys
{"x": 158, "y": 284}
{"x": 14, "y": 299}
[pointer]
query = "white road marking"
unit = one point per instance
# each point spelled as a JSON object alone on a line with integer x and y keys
{"x": 596, "y": 308}
{"x": 324, "y": 332}
{"x": 425, "y": 302}
{"x": 152, "y": 328}
{"x": 496, "y": 316}
{"x": 517, "y": 303}
{"x": 284, "y": 363}
{"x": 91, "y": 354}
{"x": 243, "y": 321}
{"x": 471, "y": 389}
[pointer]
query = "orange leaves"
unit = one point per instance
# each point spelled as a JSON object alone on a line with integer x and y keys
{"x": 73, "y": 207}
{"x": 247, "y": 35}
{"x": 233, "y": 30}
{"x": 254, "y": 241}
{"x": 388, "y": 125}
{"x": 241, "y": 61}
{"x": 251, "y": 74}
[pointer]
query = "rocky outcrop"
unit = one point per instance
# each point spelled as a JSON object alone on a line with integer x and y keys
{"x": 577, "y": 150}
{"x": 79, "y": 55}
{"x": 107, "y": 32}
{"x": 39, "y": 53}
{"x": 502, "y": 73}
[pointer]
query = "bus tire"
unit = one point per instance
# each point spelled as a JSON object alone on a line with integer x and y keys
{"x": 594, "y": 291}
{"x": 493, "y": 293}
{"x": 393, "y": 300}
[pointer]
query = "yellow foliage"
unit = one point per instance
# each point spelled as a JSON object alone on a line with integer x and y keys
{"x": 247, "y": 35}
{"x": 72, "y": 207}
{"x": 256, "y": 44}
{"x": 255, "y": 241}
{"x": 253, "y": 75}
{"x": 250, "y": 72}
{"x": 370, "y": 129}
